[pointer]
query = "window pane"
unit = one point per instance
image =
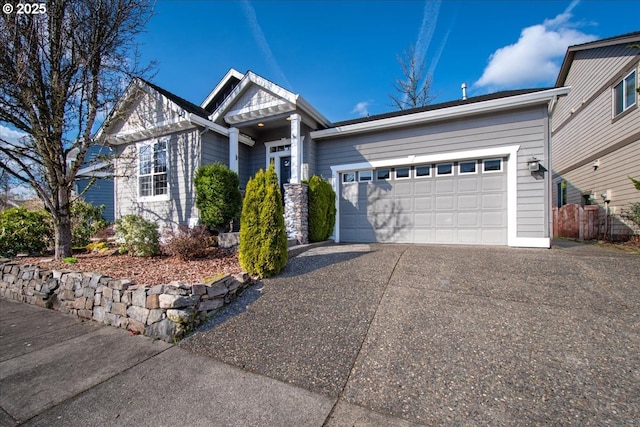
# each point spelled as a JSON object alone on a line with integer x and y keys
{"x": 423, "y": 170}
{"x": 160, "y": 184}
{"x": 630, "y": 90}
{"x": 618, "y": 99}
{"x": 349, "y": 177}
{"x": 145, "y": 186}
{"x": 365, "y": 175}
{"x": 492, "y": 165}
{"x": 467, "y": 167}
{"x": 145, "y": 160}
{"x": 382, "y": 174}
{"x": 444, "y": 169}
{"x": 160, "y": 161}
{"x": 402, "y": 172}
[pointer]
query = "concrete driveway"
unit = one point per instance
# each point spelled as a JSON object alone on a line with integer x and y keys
{"x": 432, "y": 335}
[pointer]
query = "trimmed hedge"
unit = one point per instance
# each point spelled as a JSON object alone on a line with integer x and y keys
{"x": 218, "y": 196}
{"x": 137, "y": 236}
{"x": 263, "y": 237}
{"x": 322, "y": 209}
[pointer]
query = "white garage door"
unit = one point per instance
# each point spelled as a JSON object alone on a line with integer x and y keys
{"x": 461, "y": 202}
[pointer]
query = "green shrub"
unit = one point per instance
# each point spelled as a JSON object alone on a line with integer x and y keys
{"x": 218, "y": 195}
{"x": 322, "y": 209}
{"x": 186, "y": 243}
{"x": 263, "y": 237}
{"x": 86, "y": 221}
{"x": 22, "y": 230}
{"x": 137, "y": 236}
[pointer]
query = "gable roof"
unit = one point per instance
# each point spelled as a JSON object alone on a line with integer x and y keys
{"x": 445, "y": 111}
{"x": 629, "y": 38}
{"x": 189, "y": 107}
{"x": 222, "y": 90}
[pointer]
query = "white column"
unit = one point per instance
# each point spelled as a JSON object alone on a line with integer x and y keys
{"x": 233, "y": 149}
{"x": 296, "y": 149}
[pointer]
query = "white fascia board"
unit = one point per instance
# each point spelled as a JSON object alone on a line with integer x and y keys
{"x": 315, "y": 114}
{"x": 445, "y": 113}
{"x": 140, "y": 134}
{"x": 197, "y": 120}
{"x": 94, "y": 168}
{"x": 231, "y": 73}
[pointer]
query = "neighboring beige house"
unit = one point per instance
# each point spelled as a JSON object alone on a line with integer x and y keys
{"x": 596, "y": 128}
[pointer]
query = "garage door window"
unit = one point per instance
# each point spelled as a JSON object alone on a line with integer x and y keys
{"x": 467, "y": 168}
{"x": 402, "y": 173}
{"x": 365, "y": 176}
{"x": 423, "y": 171}
{"x": 349, "y": 177}
{"x": 492, "y": 165}
{"x": 382, "y": 174}
{"x": 444, "y": 169}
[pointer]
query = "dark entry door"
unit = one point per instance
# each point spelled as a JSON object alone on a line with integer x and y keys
{"x": 285, "y": 171}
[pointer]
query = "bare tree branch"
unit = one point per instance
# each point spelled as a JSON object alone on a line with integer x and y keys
{"x": 413, "y": 89}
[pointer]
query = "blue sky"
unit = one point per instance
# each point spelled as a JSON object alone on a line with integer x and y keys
{"x": 342, "y": 55}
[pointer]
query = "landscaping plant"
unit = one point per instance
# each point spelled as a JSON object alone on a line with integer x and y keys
{"x": 137, "y": 236}
{"x": 218, "y": 195}
{"x": 86, "y": 221}
{"x": 322, "y": 209}
{"x": 24, "y": 231}
{"x": 263, "y": 237}
{"x": 186, "y": 243}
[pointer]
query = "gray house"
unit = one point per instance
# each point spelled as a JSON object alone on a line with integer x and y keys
{"x": 473, "y": 171}
{"x": 596, "y": 129}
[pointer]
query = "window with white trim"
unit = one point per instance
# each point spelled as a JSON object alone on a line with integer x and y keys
{"x": 382, "y": 174}
{"x": 365, "y": 176}
{"x": 444, "y": 169}
{"x": 348, "y": 177}
{"x": 492, "y": 165}
{"x": 624, "y": 94}
{"x": 152, "y": 170}
{"x": 465, "y": 168}
{"x": 423, "y": 171}
{"x": 403, "y": 173}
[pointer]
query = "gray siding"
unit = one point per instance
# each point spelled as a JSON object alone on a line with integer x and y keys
{"x": 183, "y": 158}
{"x": 590, "y": 133}
{"x": 525, "y": 127}
{"x": 244, "y": 153}
{"x": 215, "y": 148}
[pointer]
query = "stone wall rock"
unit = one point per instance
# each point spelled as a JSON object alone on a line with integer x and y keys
{"x": 164, "y": 311}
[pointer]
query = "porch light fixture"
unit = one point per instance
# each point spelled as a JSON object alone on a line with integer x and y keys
{"x": 534, "y": 165}
{"x": 260, "y": 125}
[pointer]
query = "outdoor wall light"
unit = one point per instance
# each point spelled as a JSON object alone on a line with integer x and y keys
{"x": 534, "y": 165}
{"x": 260, "y": 125}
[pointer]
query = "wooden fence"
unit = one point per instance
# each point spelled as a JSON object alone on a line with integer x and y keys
{"x": 576, "y": 222}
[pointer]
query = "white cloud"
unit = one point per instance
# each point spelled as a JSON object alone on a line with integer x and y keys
{"x": 537, "y": 55}
{"x": 362, "y": 108}
{"x": 10, "y": 135}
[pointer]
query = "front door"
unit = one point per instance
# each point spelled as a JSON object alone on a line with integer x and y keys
{"x": 285, "y": 172}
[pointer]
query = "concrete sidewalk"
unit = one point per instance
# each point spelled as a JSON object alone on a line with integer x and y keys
{"x": 368, "y": 335}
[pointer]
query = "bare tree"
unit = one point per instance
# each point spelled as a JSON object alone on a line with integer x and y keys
{"x": 60, "y": 70}
{"x": 414, "y": 87}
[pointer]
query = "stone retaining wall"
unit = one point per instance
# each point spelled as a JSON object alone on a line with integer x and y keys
{"x": 166, "y": 312}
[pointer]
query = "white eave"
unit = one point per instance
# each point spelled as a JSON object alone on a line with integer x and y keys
{"x": 505, "y": 103}
{"x": 208, "y": 124}
{"x": 231, "y": 73}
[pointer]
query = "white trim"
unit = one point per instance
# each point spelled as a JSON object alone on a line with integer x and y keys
{"x": 151, "y": 143}
{"x": 197, "y": 120}
{"x": 231, "y": 73}
{"x": 624, "y": 90}
{"x": 234, "y": 161}
{"x": 511, "y": 152}
{"x": 277, "y": 154}
{"x": 365, "y": 180}
{"x": 505, "y": 103}
{"x": 531, "y": 242}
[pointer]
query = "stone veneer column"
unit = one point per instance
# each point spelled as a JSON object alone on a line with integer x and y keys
{"x": 296, "y": 212}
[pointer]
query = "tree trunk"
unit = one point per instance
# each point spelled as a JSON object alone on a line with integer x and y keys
{"x": 62, "y": 225}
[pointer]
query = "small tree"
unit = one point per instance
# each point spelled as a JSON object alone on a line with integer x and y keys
{"x": 414, "y": 87}
{"x": 322, "y": 209}
{"x": 218, "y": 195}
{"x": 263, "y": 237}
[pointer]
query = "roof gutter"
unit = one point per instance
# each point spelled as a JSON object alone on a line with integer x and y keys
{"x": 544, "y": 96}
{"x": 197, "y": 120}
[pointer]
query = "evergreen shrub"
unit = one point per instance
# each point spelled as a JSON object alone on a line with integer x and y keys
{"x": 263, "y": 237}
{"x": 86, "y": 221}
{"x": 322, "y": 209}
{"x": 137, "y": 236}
{"x": 24, "y": 231}
{"x": 218, "y": 195}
